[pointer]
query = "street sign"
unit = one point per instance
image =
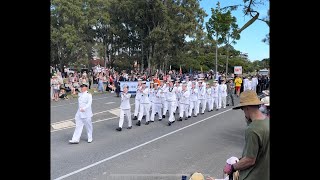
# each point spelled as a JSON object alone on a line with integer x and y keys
{"x": 237, "y": 69}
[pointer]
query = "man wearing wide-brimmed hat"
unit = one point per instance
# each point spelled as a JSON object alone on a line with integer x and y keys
{"x": 254, "y": 163}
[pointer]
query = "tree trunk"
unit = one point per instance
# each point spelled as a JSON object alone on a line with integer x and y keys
{"x": 142, "y": 55}
{"x": 216, "y": 55}
{"x": 149, "y": 59}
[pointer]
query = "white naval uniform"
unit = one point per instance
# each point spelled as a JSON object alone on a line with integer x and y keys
{"x": 247, "y": 85}
{"x": 222, "y": 95}
{"x": 83, "y": 118}
{"x": 194, "y": 105}
{"x": 137, "y": 101}
{"x": 215, "y": 96}
{"x": 184, "y": 103}
{"x": 125, "y": 109}
{"x": 189, "y": 85}
{"x": 209, "y": 99}
{"x": 179, "y": 89}
{"x": 202, "y": 98}
{"x": 254, "y": 83}
{"x": 164, "y": 99}
{"x": 156, "y": 104}
{"x": 144, "y": 105}
{"x": 171, "y": 100}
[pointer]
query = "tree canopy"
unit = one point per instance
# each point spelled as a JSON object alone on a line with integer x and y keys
{"x": 154, "y": 34}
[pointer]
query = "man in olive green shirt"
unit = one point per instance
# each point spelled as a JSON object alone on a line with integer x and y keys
{"x": 254, "y": 164}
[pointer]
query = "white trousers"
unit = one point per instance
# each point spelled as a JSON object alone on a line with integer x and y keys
{"x": 222, "y": 101}
{"x": 128, "y": 114}
{"x": 172, "y": 108}
{"x": 183, "y": 108}
{"x": 144, "y": 109}
{"x": 136, "y": 107}
{"x": 215, "y": 102}
{"x": 194, "y": 105}
{"x": 203, "y": 105}
{"x": 80, "y": 122}
{"x": 210, "y": 103}
{"x": 165, "y": 107}
{"x": 156, "y": 107}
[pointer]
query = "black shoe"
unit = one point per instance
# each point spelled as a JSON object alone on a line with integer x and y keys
{"x": 151, "y": 121}
{"x": 129, "y": 127}
{"x": 135, "y": 118}
{"x": 195, "y": 116}
{"x": 174, "y": 114}
{"x": 186, "y": 118}
{"x": 119, "y": 129}
{"x": 138, "y": 123}
{"x": 147, "y": 123}
{"x": 143, "y": 117}
{"x": 172, "y": 122}
{"x": 163, "y": 116}
{"x": 227, "y": 104}
{"x": 217, "y": 109}
{"x": 160, "y": 120}
{"x": 180, "y": 119}
{"x": 202, "y": 113}
{"x": 189, "y": 116}
{"x": 169, "y": 123}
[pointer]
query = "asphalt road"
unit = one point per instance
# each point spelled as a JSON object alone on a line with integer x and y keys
{"x": 154, "y": 151}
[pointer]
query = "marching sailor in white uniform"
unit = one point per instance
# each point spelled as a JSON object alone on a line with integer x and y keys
{"x": 193, "y": 100}
{"x": 171, "y": 100}
{"x": 144, "y": 104}
{"x": 83, "y": 115}
{"x": 184, "y": 101}
{"x": 125, "y": 108}
{"x": 137, "y": 100}
{"x": 156, "y": 102}
{"x": 215, "y": 95}
{"x": 202, "y": 96}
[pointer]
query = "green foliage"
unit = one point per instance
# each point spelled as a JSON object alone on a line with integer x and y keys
{"x": 150, "y": 32}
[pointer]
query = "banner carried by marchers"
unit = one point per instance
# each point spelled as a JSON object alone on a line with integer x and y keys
{"x": 237, "y": 69}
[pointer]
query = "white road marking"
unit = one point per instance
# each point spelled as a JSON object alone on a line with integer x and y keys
{"x": 63, "y": 125}
{"x": 77, "y": 102}
{"x": 109, "y": 103}
{"x": 131, "y": 149}
{"x": 115, "y": 112}
{"x": 100, "y": 120}
{"x": 93, "y": 115}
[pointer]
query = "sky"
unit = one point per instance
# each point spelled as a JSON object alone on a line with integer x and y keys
{"x": 251, "y": 38}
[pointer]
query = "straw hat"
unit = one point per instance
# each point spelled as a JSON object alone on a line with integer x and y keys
{"x": 248, "y": 98}
{"x": 197, "y": 176}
